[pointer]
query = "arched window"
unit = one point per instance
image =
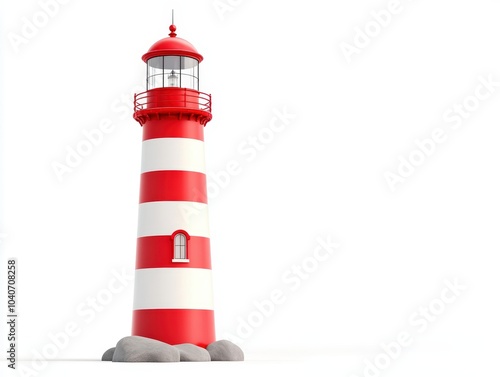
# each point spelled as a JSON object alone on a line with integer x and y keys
{"x": 180, "y": 239}
{"x": 180, "y": 246}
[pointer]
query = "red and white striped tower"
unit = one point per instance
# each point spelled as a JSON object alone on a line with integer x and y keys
{"x": 173, "y": 279}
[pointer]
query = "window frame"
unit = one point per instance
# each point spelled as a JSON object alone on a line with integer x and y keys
{"x": 181, "y": 234}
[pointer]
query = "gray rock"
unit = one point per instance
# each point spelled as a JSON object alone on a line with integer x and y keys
{"x": 140, "y": 349}
{"x": 190, "y": 352}
{"x": 224, "y": 350}
{"x": 108, "y": 355}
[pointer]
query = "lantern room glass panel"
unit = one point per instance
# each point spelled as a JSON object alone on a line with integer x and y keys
{"x": 189, "y": 73}
{"x": 155, "y": 73}
{"x": 172, "y": 71}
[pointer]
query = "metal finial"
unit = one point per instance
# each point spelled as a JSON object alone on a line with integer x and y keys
{"x": 172, "y": 27}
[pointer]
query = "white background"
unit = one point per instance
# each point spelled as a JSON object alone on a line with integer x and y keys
{"x": 322, "y": 176}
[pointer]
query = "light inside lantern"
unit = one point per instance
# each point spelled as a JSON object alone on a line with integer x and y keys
{"x": 173, "y": 79}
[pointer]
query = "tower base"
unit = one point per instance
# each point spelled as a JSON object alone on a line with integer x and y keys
{"x": 175, "y": 326}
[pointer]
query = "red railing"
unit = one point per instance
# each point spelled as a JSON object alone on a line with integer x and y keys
{"x": 174, "y": 98}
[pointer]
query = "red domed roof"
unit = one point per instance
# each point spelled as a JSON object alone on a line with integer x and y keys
{"x": 172, "y": 46}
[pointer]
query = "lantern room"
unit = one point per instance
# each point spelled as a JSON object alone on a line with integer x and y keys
{"x": 172, "y": 82}
{"x": 172, "y": 71}
{"x": 172, "y": 62}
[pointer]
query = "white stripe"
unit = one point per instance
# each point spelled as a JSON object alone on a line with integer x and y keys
{"x": 173, "y": 288}
{"x": 164, "y": 218}
{"x": 173, "y": 154}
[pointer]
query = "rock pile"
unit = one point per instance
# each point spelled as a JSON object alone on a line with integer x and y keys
{"x": 140, "y": 349}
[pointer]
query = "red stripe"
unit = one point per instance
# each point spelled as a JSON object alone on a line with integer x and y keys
{"x": 158, "y": 252}
{"x": 175, "y": 326}
{"x": 173, "y": 185}
{"x": 172, "y": 127}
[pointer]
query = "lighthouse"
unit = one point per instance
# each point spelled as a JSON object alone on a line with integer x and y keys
{"x": 173, "y": 299}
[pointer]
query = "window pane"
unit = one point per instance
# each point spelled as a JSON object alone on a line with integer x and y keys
{"x": 180, "y": 246}
{"x": 155, "y": 81}
{"x": 189, "y": 73}
{"x": 180, "y": 239}
{"x": 155, "y": 72}
{"x": 172, "y": 62}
